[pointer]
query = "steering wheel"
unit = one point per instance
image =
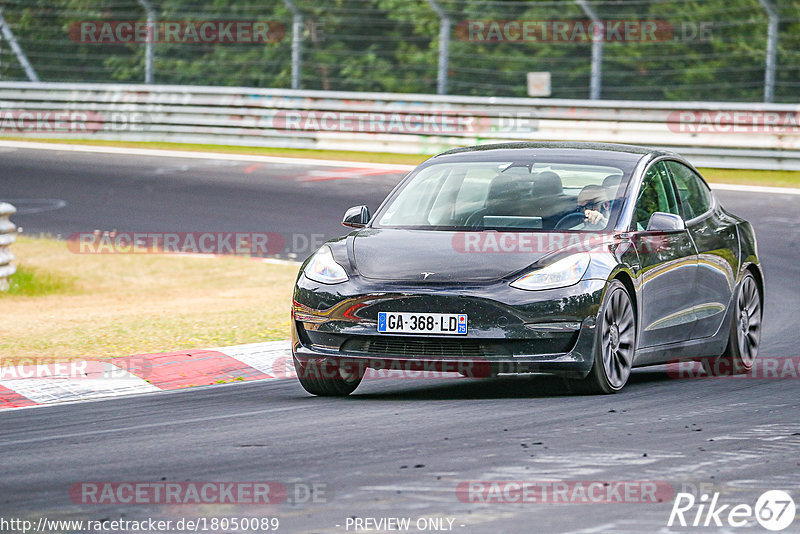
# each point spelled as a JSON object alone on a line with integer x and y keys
{"x": 569, "y": 220}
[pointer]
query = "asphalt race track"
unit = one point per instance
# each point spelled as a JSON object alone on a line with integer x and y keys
{"x": 394, "y": 448}
{"x": 157, "y": 194}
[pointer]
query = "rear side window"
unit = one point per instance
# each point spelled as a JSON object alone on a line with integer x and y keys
{"x": 693, "y": 192}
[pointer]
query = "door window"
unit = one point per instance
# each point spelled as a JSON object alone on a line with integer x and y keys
{"x": 694, "y": 195}
{"x": 656, "y": 194}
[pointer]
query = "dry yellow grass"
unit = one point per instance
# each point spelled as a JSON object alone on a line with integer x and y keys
{"x": 117, "y": 304}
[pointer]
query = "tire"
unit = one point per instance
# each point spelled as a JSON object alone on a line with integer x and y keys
{"x": 327, "y": 377}
{"x": 615, "y": 345}
{"x": 744, "y": 335}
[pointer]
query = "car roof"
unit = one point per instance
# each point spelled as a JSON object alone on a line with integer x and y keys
{"x": 557, "y": 147}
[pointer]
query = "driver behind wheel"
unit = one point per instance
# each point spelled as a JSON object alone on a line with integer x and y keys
{"x": 593, "y": 200}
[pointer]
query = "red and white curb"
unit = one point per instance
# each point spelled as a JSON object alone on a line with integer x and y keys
{"x": 31, "y": 385}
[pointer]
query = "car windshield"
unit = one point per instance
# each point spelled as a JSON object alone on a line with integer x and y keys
{"x": 508, "y": 195}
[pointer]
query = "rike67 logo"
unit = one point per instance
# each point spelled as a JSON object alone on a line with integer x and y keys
{"x": 774, "y": 510}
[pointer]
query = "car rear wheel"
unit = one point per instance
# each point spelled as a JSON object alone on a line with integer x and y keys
{"x": 745, "y": 333}
{"x": 327, "y": 377}
{"x": 616, "y": 342}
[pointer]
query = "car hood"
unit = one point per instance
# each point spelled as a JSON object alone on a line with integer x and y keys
{"x": 392, "y": 254}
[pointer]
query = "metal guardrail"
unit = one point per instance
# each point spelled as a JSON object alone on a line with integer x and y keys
{"x": 734, "y": 135}
{"x": 7, "y": 236}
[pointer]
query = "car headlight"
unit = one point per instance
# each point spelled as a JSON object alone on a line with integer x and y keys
{"x": 565, "y": 272}
{"x": 323, "y": 268}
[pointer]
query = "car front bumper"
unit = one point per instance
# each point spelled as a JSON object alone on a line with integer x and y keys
{"x": 510, "y": 330}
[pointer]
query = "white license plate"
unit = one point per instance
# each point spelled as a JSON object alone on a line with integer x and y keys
{"x": 422, "y": 323}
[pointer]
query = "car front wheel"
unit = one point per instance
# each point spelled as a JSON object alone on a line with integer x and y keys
{"x": 616, "y": 342}
{"x": 327, "y": 377}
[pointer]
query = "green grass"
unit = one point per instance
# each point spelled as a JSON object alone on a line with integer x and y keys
{"x": 728, "y": 176}
{"x": 753, "y": 177}
{"x": 31, "y": 282}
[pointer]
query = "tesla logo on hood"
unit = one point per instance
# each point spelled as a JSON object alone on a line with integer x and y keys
{"x": 426, "y": 275}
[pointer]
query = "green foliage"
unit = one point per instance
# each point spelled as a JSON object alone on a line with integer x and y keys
{"x": 716, "y": 50}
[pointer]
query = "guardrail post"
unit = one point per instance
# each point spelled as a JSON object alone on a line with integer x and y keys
{"x": 297, "y": 42}
{"x": 7, "y": 236}
{"x": 151, "y": 35}
{"x": 444, "y": 46}
{"x": 772, "y": 49}
{"x": 596, "y": 80}
{"x": 5, "y": 29}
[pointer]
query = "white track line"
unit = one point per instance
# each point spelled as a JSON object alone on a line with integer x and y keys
{"x": 203, "y": 155}
{"x": 302, "y": 161}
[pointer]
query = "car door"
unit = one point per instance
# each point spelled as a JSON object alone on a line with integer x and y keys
{"x": 667, "y": 263}
{"x": 715, "y": 238}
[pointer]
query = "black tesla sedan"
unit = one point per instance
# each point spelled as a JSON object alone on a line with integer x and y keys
{"x": 575, "y": 259}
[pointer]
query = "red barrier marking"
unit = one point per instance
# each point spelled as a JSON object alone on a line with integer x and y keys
{"x": 11, "y": 399}
{"x": 175, "y": 370}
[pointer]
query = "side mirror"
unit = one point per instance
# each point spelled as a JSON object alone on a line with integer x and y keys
{"x": 665, "y": 222}
{"x": 356, "y": 217}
